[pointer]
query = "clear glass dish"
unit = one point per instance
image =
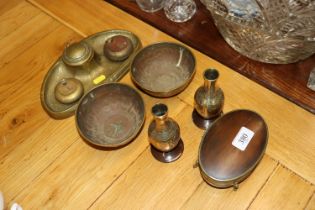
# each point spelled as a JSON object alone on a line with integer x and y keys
{"x": 179, "y": 10}
{"x": 277, "y": 31}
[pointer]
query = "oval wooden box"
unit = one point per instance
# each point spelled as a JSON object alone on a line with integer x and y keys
{"x": 227, "y": 153}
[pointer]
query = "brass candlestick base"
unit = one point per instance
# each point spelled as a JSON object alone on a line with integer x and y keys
{"x": 202, "y": 122}
{"x": 170, "y": 156}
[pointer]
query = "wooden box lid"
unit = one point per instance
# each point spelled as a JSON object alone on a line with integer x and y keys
{"x": 232, "y": 147}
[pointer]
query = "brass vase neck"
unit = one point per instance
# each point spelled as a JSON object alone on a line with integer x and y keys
{"x": 160, "y": 114}
{"x": 210, "y": 78}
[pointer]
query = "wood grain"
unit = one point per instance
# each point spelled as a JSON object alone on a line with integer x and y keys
{"x": 311, "y": 203}
{"x": 16, "y": 17}
{"x": 288, "y": 81}
{"x": 34, "y": 155}
{"x": 6, "y": 5}
{"x": 34, "y": 30}
{"x": 25, "y": 129}
{"x": 44, "y": 163}
{"x": 284, "y": 186}
{"x": 20, "y": 108}
{"x": 286, "y": 130}
{"x": 86, "y": 172}
{"x": 96, "y": 16}
{"x": 206, "y": 197}
{"x": 143, "y": 180}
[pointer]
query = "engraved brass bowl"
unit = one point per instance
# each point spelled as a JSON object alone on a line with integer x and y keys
{"x": 110, "y": 115}
{"x": 83, "y": 64}
{"x": 163, "y": 69}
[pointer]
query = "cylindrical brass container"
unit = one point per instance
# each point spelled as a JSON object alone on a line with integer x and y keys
{"x": 69, "y": 90}
{"x": 118, "y": 48}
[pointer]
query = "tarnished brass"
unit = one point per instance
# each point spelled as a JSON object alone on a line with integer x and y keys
{"x": 209, "y": 100}
{"x": 118, "y": 48}
{"x": 84, "y": 61}
{"x": 164, "y": 135}
{"x": 78, "y": 54}
{"x": 163, "y": 69}
{"x": 224, "y": 161}
{"x": 110, "y": 115}
{"x": 68, "y": 90}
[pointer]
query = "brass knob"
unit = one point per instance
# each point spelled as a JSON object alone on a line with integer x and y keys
{"x": 68, "y": 90}
{"x": 77, "y": 54}
{"x": 118, "y": 48}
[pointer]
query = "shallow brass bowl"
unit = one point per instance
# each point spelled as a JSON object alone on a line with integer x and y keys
{"x": 163, "y": 69}
{"x": 110, "y": 115}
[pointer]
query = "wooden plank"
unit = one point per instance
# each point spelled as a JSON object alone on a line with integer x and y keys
{"x": 32, "y": 156}
{"x": 284, "y": 190}
{"x": 6, "y": 5}
{"x": 311, "y": 203}
{"x": 140, "y": 185}
{"x": 29, "y": 139}
{"x": 206, "y": 197}
{"x": 21, "y": 112}
{"x": 288, "y": 136}
{"x": 16, "y": 17}
{"x": 94, "y": 16}
{"x": 49, "y": 166}
{"x": 83, "y": 173}
{"x": 24, "y": 37}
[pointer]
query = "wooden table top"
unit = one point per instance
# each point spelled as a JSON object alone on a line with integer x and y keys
{"x": 44, "y": 163}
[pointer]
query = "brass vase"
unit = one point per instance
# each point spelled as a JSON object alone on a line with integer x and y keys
{"x": 209, "y": 100}
{"x": 164, "y": 135}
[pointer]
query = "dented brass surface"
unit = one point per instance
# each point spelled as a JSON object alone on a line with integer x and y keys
{"x": 85, "y": 62}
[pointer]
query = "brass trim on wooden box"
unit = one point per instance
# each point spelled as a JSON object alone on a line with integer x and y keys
{"x": 222, "y": 160}
{"x": 83, "y": 66}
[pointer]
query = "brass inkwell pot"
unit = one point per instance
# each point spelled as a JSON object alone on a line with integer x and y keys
{"x": 100, "y": 58}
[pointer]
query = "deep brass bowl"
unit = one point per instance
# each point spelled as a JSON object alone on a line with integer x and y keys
{"x": 163, "y": 69}
{"x": 110, "y": 115}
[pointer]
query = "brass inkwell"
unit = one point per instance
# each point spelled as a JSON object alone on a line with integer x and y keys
{"x": 100, "y": 58}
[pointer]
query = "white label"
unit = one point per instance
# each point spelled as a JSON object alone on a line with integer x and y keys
{"x": 243, "y": 138}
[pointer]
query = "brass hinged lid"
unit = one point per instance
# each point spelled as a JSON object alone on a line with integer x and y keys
{"x": 68, "y": 90}
{"x": 232, "y": 147}
{"x": 77, "y": 54}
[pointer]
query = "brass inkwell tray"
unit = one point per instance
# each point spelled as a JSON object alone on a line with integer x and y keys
{"x": 100, "y": 58}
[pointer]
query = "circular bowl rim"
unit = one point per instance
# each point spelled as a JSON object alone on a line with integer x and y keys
{"x": 127, "y": 140}
{"x": 170, "y": 92}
